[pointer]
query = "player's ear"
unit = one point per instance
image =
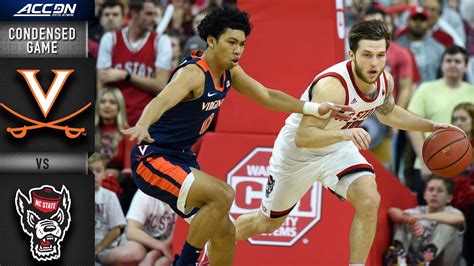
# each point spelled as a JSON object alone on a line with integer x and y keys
{"x": 351, "y": 54}
{"x": 211, "y": 41}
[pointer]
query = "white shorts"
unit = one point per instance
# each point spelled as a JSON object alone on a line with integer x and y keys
{"x": 293, "y": 171}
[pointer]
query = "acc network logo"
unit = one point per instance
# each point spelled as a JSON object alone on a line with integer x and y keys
{"x": 46, "y": 10}
{"x": 45, "y": 102}
{"x": 45, "y": 218}
{"x": 249, "y": 179}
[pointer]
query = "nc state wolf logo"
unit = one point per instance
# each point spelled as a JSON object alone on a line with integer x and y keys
{"x": 45, "y": 102}
{"x": 270, "y": 184}
{"x": 45, "y": 218}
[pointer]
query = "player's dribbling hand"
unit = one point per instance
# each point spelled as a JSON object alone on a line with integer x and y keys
{"x": 337, "y": 110}
{"x": 444, "y": 126}
{"x": 358, "y": 136}
{"x": 138, "y": 133}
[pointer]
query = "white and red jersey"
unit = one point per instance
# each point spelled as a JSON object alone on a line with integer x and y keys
{"x": 363, "y": 106}
{"x": 140, "y": 58}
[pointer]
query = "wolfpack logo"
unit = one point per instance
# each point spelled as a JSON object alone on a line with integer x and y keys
{"x": 45, "y": 218}
{"x": 46, "y": 10}
{"x": 45, "y": 102}
{"x": 270, "y": 184}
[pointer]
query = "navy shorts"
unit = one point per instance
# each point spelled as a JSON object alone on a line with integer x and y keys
{"x": 160, "y": 173}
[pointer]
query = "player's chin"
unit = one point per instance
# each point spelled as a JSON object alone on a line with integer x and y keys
{"x": 230, "y": 66}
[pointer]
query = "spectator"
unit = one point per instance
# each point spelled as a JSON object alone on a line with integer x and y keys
{"x": 446, "y": 25}
{"x": 466, "y": 8}
{"x": 356, "y": 11}
{"x": 177, "y": 51}
{"x": 426, "y": 49}
{"x": 436, "y": 100}
{"x": 136, "y": 59}
{"x": 181, "y": 22}
{"x": 195, "y": 42}
{"x": 150, "y": 226}
{"x": 109, "y": 218}
{"x": 463, "y": 117}
{"x": 111, "y": 17}
{"x": 428, "y": 234}
{"x": 111, "y": 118}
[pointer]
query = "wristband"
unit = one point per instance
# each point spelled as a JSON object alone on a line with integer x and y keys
{"x": 128, "y": 77}
{"x": 312, "y": 108}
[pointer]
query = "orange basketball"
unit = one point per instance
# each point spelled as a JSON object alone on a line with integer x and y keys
{"x": 447, "y": 152}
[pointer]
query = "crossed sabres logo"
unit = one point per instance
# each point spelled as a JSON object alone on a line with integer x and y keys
{"x": 45, "y": 102}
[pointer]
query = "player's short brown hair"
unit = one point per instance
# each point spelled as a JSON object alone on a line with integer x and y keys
{"x": 368, "y": 30}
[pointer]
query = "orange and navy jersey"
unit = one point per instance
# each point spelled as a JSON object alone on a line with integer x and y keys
{"x": 181, "y": 126}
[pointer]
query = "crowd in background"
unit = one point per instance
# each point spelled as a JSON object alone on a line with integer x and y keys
{"x": 138, "y": 43}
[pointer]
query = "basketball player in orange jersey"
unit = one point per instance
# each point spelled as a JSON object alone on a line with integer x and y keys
{"x": 310, "y": 149}
{"x": 163, "y": 165}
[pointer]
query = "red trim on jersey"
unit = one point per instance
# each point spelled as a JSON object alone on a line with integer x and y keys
{"x": 355, "y": 168}
{"x": 339, "y": 77}
{"x": 361, "y": 95}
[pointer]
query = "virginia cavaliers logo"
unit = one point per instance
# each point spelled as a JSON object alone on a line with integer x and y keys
{"x": 45, "y": 102}
{"x": 45, "y": 218}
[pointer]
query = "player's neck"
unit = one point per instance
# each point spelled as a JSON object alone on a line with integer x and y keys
{"x": 211, "y": 60}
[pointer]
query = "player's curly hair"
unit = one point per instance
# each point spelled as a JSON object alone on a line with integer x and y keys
{"x": 220, "y": 19}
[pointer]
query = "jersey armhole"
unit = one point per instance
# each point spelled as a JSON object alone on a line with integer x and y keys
{"x": 334, "y": 75}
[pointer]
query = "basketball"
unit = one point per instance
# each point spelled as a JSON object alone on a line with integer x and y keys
{"x": 447, "y": 152}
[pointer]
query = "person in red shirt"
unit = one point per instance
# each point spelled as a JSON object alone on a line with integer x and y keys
{"x": 136, "y": 59}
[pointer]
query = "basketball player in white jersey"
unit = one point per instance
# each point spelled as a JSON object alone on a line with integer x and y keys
{"x": 310, "y": 149}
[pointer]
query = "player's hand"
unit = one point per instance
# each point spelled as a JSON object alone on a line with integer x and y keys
{"x": 444, "y": 126}
{"x": 111, "y": 75}
{"x": 358, "y": 136}
{"x": 138, "y": 133}
{"x": 337, "y": 110}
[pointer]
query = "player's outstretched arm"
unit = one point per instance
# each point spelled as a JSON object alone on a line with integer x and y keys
{"x": 280, "y": 101}
{"x": 392, "y": 115}
{"x": 311, "y": 132}
{"x": 187, "y": 80}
